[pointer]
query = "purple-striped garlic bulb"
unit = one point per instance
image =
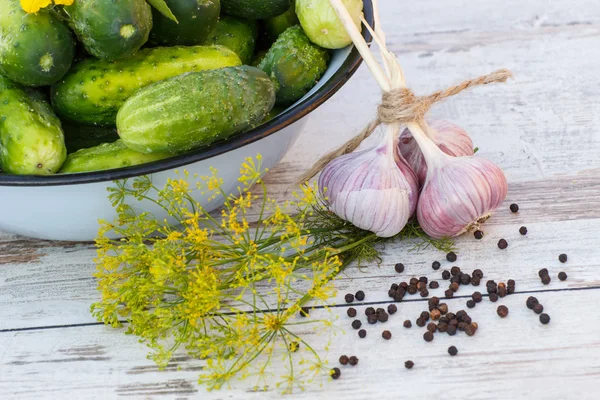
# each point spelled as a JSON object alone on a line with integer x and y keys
{"x": 375, "y": 189}
{"x": 459, "y": 194}
{"x": 450, "y": 138}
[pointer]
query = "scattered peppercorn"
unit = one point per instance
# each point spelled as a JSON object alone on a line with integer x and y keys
{"x": 421, "y": 286}
{"x": 434, "y": 285}
{"x": 403, "y": 285}
{"x": 412, "y": 289}
{"x": 369, "y": 311}
{"x": 471, "y": 304}
{"x": 453, "y": 286}
{"x": 491, "y": 287}
{"x": 455, "y": 279}
{"x": 431, "y": 327}
{"x": 502, "y": 244}
{"x": 446, "y": 275}
{"x": 335, "y": 373}
{"x": 449, "y": 293}
{"x": 546, "y": 279}
{"x": 523, "y": 230}
{"x": 543, "y": 272}
{"x": 436, "y": 265}
{"x": 451, "y": 256}
{"x": 353, "y": 360}
{"x": 372, "y": 319}
{"x": 351, "y": 312}
{"x": 451, "y": 330}
{"x": 407, "y": 324}
{"x": 421, "y": 322}
{"x": 399, "y": 267}
{"x": 349, "y": 298}
{"x": 475, "y": 281}
{"x": 562, "y": 276}
{"x": 470, "y": 329}
{"x": 514, "y": 207}
{"x": 392, "y": 309}
{"x": 478, "y": 235}
{"x": 413, "y": 281}
{"x": 424, "y": 293}
{"x": 531, "y": 302}
{"x": 387, "y": 335}
{"x": 442, "y": 327}
{"x": 502, "y": 311}
{"x": 460, "y": 314}
{"x": 465, "y": 279}
{"x": 455, "y": 270}
{"x": 409, "y": 364}
{"x": 477, "y": 297}
{"x": 502, "y": 291}
{"x": 443, "y": 308}
{"x": 428, "y": 336}
{"x": 435, "y": 314}
{"x": 394, "y": 286}
{"x": 538, "y": 308}
{"x": 360, "y": 295}
{"x": 362, "y": 334}
{"x": 344, "y": 360}
{"x": 544, "y": 318}
{"x": 478, "y": 273}
{"x": 382, "y": 316}
{"x": 424, "y": 315}
{"x": 452, "y": 350}
{"x": 423, "y": 279}
{"x": 461, "y": 326}
{"x": 304, "y": 311}
{"x": 356, "y": 324}
{"x": 562, "y": 258}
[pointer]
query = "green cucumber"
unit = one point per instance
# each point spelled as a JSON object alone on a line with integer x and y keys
{"x": 110, "y": 29}
{"x": 295, "y": 63}
{"x": 35, "y": 49}
{"x": 195, "y": 20}
{"x": 275, "y": 26}
{"x": 94, "y": 90}
{"x": 31, "y": 137}
{"x": 255, "y": 9}
{"x": 83, "y": 136}
{"x": 322, "y": 25}
{"x": 107, "y": 156}
{"x": 195, "y": 109}
{"x": 236, "y": 34}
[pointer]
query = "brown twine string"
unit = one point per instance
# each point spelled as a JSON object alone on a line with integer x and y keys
{"x": 402, "y": 106}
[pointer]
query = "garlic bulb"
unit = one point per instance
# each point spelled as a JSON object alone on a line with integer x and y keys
{"x": 374, "y": 189}
{"x": 450, "y": 138}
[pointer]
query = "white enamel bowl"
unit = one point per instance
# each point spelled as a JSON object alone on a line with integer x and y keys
{"x": 68, "y": 207}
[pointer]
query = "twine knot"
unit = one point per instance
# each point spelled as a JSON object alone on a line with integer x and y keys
{"x": 402, "y": 106}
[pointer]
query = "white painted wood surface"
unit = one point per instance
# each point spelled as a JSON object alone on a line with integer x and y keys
{"x": 542, "y": 128}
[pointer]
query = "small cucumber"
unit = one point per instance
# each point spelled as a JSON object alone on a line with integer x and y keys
{"x": 275, "y": 26}
{"x": 94, "y": 90}
{"x": 110, "y": 29}
{"x": 295, "y": 63}
{"x": 31, "y": 137}
{"x": 107, "y": 156}
{"x": 195, "y": 109}
{"x": 236, "y": 34}
{"x": 83, "y": 136}
{"x": 255, "y": 9}
{"x": 35, "y": 49}
{"x": 195, "y": 20}
{"x": 322, "y": 25}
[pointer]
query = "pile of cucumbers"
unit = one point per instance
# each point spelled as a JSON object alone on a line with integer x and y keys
{"x": 103, "y": 84}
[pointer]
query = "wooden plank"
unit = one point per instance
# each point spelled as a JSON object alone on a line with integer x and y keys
{"x": 512, "y": 358}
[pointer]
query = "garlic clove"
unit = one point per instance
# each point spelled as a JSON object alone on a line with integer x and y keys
{"x": 460, "y": 195}
{"x": 449, "y": 137}
{"x": 374, "y": 189}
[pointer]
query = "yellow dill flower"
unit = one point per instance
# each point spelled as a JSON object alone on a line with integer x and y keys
{"x": 33, "y": 6}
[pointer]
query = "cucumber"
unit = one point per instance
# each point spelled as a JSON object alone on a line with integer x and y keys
{"x": 195, "y": 109}
{"x": 255, "y": 9}
{"x": 94, "y": 90}
{"x": 35, "y": 49}
{"x": 236, "y": 34}
{"x": 110, "y": 29}
{"x": 107, "y": 156}
{"x": 196, "y": 19}
{"x": 275, "y": 26}
{"x": 82, "y": 136}
{"x": 31, "y": 138}
{"x": 322, "y": 25}
{"x": 295, "y": 63}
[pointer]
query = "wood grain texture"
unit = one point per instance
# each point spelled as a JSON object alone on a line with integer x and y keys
{"x": 541, "y": 127}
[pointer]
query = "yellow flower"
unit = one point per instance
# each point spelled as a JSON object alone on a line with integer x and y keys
{"x": 33, "y": 6}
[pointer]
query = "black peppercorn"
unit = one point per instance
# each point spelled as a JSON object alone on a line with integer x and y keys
{"x": 502, "y": 244}
{"x": 428, "y": 336}
{"x": 344, "y": 360}
{"x": 360, "y": 295}
{"x": 562, "y": 276}
{"x": 491, "y": 287}
{"x": 443, "y": 308}
{"x": 349, "y": 298}
{"x": 335, "y": 373}
{"x": 423, "y": 279}
{"x": 544, "y": 318}
{"x": 523, "y": 230}
{"x": 510, "y": 282}
{"x": 538, "y": 308}
{"x": 455, "y": 279}
{"x": 453, "y": 286}
{"x": 435, "y": 265}
{"x": 543, "y": 272}
{"x": 391, "y": 309}
{"x": 475, "y": 281}
{"x": 461, "y": 326}
{"x": 470, "y": 303}
{"x": 442, "y": 327}
{"x": 455, "y": 271}
{"x": 531, "y": 302}
{"x": 449, "y": 293}
{"x": 424, "y": 315}
{"x": 409, "y": 364}
{"x": 452, "y": 350}
{"x": 546, "y": 279}
{"x": 353, "y": 360}
{"x": 351, "y": 312}
{"x": 399, "y": 295}
{"x": 502, "y": 291}
{"x": 421, "y": 286}
{"x": 362, "y": 334}
{"x": 372, "y": 319}
{"x": 421, "y": 322}
{"x": 514, "y": 207}
{"x": 493, "y": 297}
{"x": 450, "y": 316}
{"x": 394, "y": 286}
{"x": 451, "y": 256}
{"x": 403, "y": 285}
{"x": 435, "y": 314}
{"x": 451, "y": 330}
{"x": 407, "y": 324}
{"x": 369, "y": 311}
{"x": 431, "y": 327}
{"x": 502, "y": 311}
{"x": 382, "y": 317}
{"x": 399, "y": 268}
{"x": 412, "y": 289}
{"x": 446, "y": 275}
{"x": 478, "y": 235}
{"x": 465, "y": 279}
{"x": 562, "y": 258}
{"x": 387, "y": 335}
{"x": 424, "y": 293}
{"x": 356, "y": 324}
{"x": 413, "y": 281}
{"x": 469, "y": 330}
{"x": 434, "y": 285}
{"x": 467, "y": 319}
{"x": 391, "y": 293}
{"x": 477, "y": 274}
{"x": 304, "y": 311}
{"x": 477, "y": 297}
{"x": 460, "y": 314}
{"x": 434, "y": 301}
